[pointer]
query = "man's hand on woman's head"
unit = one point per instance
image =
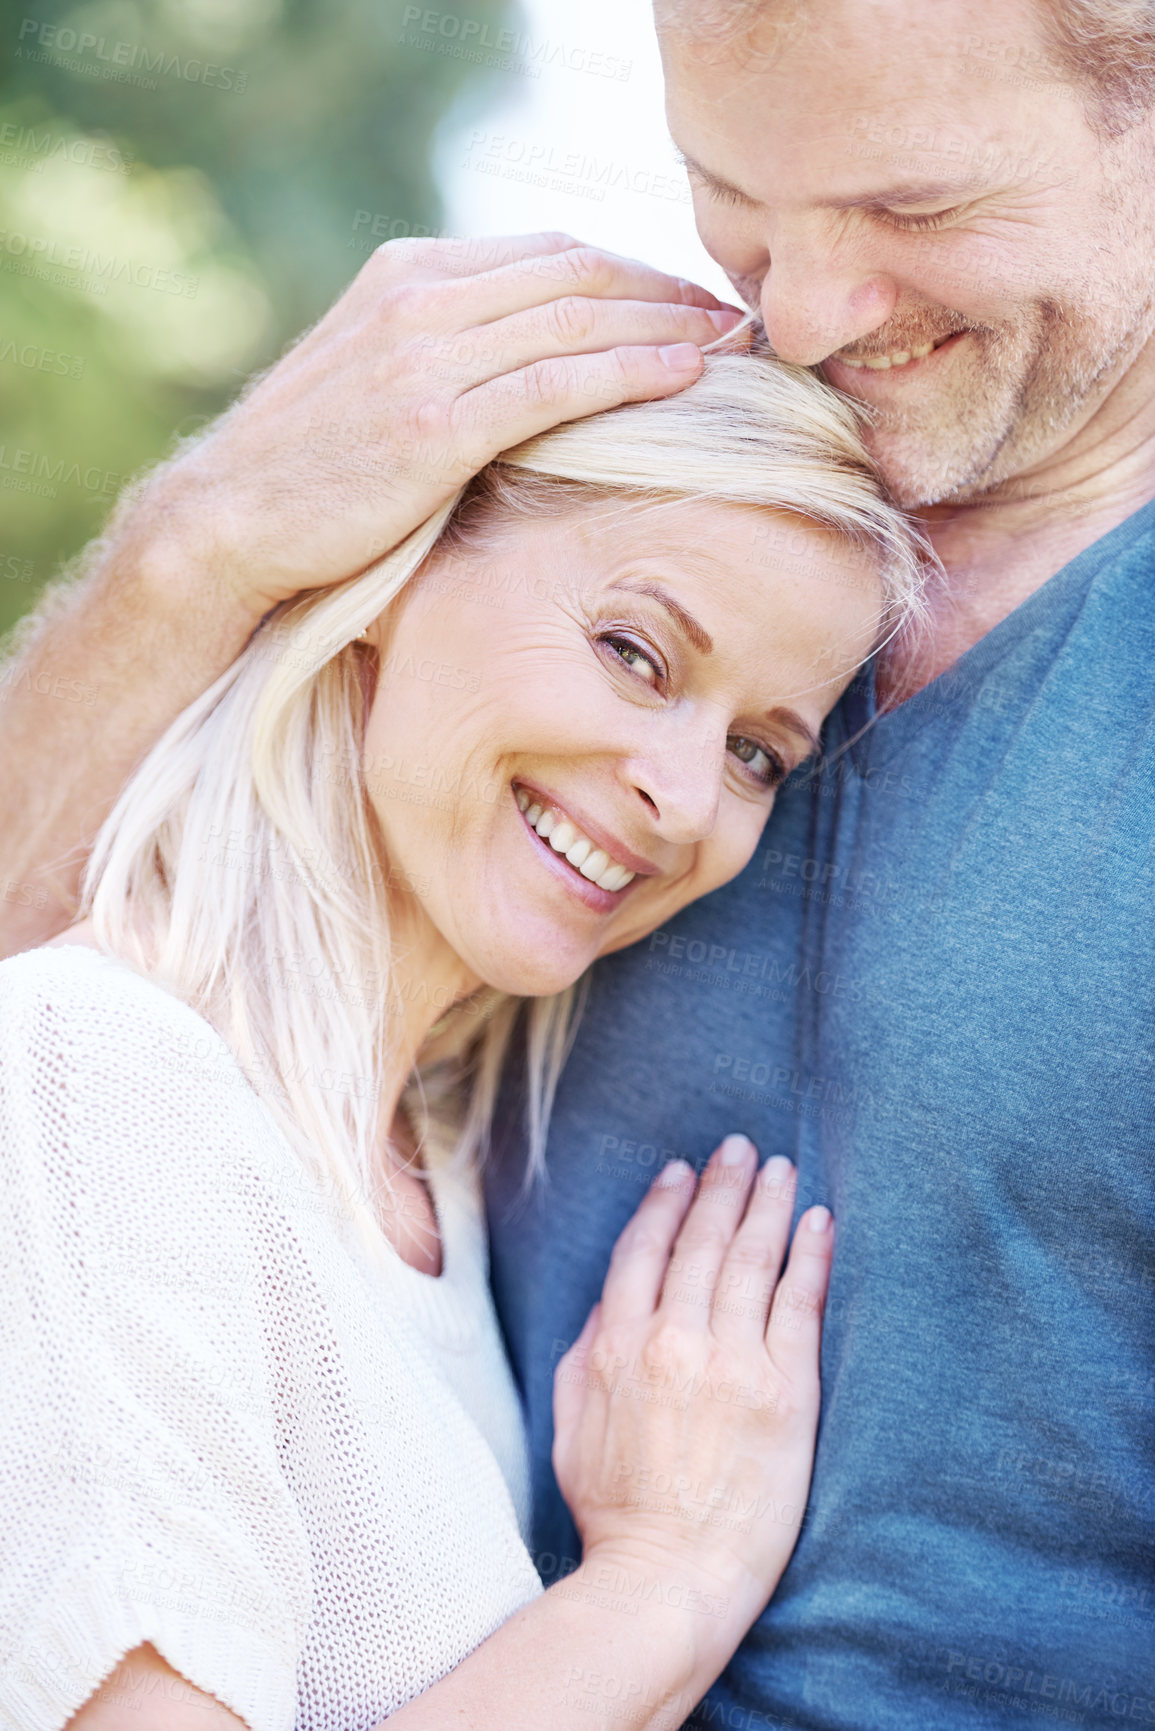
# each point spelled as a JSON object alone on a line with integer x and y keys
{"x": 439, "y": 355}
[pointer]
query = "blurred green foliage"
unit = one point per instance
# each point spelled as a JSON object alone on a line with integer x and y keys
{"x": 184, "y": 186}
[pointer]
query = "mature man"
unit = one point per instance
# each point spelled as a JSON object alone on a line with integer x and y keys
{"x": 933, "y": 986}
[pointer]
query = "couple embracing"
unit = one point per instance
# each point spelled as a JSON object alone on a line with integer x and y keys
{"x": 535, "y": 627}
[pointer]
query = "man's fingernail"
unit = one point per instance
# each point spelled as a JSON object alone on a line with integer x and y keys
{"x": 674, "y": 1172}
{"x": 818, "y": 1219}
{"x": 680, "y": 357}
{"x": 726, "y": 318}
{"x": 734, "y": 1150}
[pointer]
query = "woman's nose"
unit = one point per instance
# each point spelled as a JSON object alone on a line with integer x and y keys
{"x": 680, "y": 786}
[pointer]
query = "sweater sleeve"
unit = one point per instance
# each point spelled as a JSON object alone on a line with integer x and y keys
{"x": 141, "y": 1496}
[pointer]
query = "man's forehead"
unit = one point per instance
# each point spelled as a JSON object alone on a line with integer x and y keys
{"x": 877, "y": 124}
{"x": 757, "y": 29}
{"x": 874, "y": 53}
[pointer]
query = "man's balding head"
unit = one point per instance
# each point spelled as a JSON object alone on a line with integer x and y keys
{"x": 1106, "y": 47}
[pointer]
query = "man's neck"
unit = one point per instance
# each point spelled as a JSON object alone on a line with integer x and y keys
{"x": 998, "y": 549}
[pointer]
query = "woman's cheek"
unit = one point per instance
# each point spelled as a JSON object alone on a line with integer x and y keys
{"x": 733, "y": 845}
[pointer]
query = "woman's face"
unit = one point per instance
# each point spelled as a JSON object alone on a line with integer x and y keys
{"x": 582, "y": 729}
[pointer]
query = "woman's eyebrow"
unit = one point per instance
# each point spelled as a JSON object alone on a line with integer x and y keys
{"x": 696, "y": 633}
{"x": 790, "y": 718}
{"x": 703, "y": 642}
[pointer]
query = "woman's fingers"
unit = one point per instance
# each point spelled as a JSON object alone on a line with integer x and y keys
{"x": 752, "y": 1263}
{"x": 793, "y": 1334}
{"x": 642, "y": 1403}
{"x": 569, "y": 1381}
{"x": 707, "y": 1233}
{"x": 642, "y": 1253}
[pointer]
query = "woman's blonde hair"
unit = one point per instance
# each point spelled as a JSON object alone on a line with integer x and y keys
{"x": 243, "y": 868}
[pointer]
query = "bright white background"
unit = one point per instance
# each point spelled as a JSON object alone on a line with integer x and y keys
{"x": 561, "y": 146}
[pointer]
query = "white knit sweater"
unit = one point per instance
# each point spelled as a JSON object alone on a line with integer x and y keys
{"x": 229, "y": 1425}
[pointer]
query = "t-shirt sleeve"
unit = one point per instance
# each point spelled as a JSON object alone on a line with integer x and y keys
{"x": 141, "y": 1496}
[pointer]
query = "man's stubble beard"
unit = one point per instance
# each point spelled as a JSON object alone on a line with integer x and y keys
{"x": 1019, "y": 390}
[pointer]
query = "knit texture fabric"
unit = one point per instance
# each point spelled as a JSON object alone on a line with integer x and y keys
{"x": 232, "y": 1425}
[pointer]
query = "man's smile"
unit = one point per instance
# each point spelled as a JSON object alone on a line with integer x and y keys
{"x": 888, "y": 359}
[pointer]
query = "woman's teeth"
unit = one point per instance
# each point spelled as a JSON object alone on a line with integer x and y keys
{"x": 879, "y": 363}
{"x": 565, "y": 838}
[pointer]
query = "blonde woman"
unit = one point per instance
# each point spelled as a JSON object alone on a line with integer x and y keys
{"x": 263, "y": 1462}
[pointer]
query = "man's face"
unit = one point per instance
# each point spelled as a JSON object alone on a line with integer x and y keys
{"x": 880, "y": 175}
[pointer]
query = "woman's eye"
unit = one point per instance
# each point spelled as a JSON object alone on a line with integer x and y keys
{"x": 635, "y": 658}
{"x": 767, "y": 766}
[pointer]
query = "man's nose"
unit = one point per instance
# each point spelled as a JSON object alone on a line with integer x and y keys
{"x": 817, "y": 298}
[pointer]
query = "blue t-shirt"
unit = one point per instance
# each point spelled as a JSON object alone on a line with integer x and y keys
{"x": 934, "y": 987}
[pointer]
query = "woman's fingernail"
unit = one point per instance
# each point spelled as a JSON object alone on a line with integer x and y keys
{"x": 726, "y": 318}
{"x": 818, "y": 1219}
{"x": 777, "y": 1173}
{"x": 734, "y": 1150}
{"x": 674, "y": 1172}
{"x": 680, "y": 357}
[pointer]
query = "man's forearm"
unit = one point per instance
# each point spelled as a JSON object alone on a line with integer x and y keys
{"x": 110, "y": 658}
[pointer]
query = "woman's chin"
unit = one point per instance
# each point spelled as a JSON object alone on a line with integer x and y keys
{"x": 537, "y": 982}
{"x": 533, "y": 971}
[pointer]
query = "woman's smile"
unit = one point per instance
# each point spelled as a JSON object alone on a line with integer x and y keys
{"x": 592, "y": 865}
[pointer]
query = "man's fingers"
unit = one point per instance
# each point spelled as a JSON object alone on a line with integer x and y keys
{"x": 707, "y": 1233}
{"x": 586, "y": 271}
{"x": 793, "y": 1334}
{"x": 408, "y": 287}
{"x": 750, "y": 1270}
{"x": 642, "y": 1252}
{"x": 473, "y": 282}
{"x": 516, "y": 406}
{"x": 451, "y": 258}
{"x": 576, "y": 325}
